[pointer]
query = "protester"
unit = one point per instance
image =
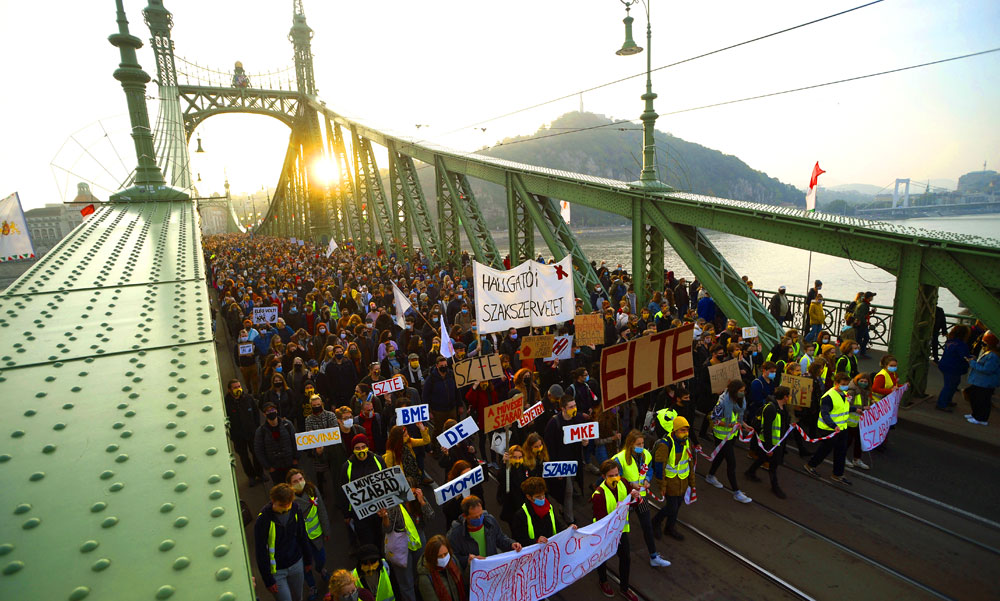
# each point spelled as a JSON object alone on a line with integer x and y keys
{"x": 361, "y": 463}
{"x": 281, "y": 545}
{"x": 438, "y": 574}
{"x": 634, "y": 463}
{"x": 274, "y": 444}
{"x": 310, "y": 505}
{"x": 833, "y": 411}
{"x": 400, "y": 451}
{"x": 453, "y": 507}
{"x": 774, "y": 423}
{"x": 509, "y": 491}
{"x": 727, "y": 419}
{"x": 562, "y": 488}
{"x": 372, "y": 573}
{"x": 243, "y": 414}
{"x": 536, "y": 521}
{"x": 343, "y": 588}
{"x": 673, "y": 474}
{"x": 477, "y": 534}
{"x": 406, "y": 524}
{"x": 984, "y": 377}
{"x": 605, "y": 500}
{"x": 861, "y": 389}
{"x": 954, "y": 364}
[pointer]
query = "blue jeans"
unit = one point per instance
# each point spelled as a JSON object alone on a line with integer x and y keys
{"x": 289, "y": 582}
{"x": 319, "y": 560}
{"x": 948, "y": 390}
{"x": 813, "y": 332}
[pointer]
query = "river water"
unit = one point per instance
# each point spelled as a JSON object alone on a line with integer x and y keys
{"x": 771, "y": 265}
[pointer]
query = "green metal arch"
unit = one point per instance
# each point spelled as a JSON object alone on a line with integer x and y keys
{"x": 193, "y": 120}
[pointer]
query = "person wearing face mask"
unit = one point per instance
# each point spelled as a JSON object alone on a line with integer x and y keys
{"x": 391, "y": 365}
{"x": 603, "y": 501}
{"x": 510, "y": 346}
{"x": 373, "y": 425}
{"x": 343, "y": 588}
{"x": 536, "y": 521}
{"x": 310, "y": 505}
{"x": 885, "y": 380}
{"x": 274, "y": 444}
{"x": 414, "y": 371}
{"x": 673, "y": 473}
{"x": 322, "y": 457}
{"x": 834, "y": 408}
{"x": 861, "y": 393}
{"x": 281, "y": 545}
{"x": 727, "y": 416}
{"x": 808, "y": 356}
{"x": 582, "y": 390}
{"x": 372, "y": 573}
{"x": 774, "y": 423}
{"x": 463, "y": 318}
{"x": 341, "y": 377}
{"x": 400, "y": 451}
{"x": 476, "y": 533}
{"x": 243, "y": 352}
{"x": 634, "y": 463}
{"x": 479, "y": 397}
{"x": 848, "y": 360}
{"x": 243, "y": 414}
{"x": 439, "y": 577}
{"x": 562, "y": 488}
{"x": 509, "y": 492}
{"x": 362, "y": 462}
{"x": 441, "y": 393}
{"x": 407, "y": 521}
{"x": 763, "y": 387}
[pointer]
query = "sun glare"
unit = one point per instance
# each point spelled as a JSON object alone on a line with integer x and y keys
{"x": 326, "y": 171}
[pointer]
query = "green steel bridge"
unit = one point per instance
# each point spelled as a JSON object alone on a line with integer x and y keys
{"x": 117, "y": 473}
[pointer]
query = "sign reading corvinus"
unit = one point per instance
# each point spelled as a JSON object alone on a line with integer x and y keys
{"x": 530, "y": 294}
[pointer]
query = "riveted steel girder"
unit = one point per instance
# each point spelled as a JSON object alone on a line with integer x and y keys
{"x": 201, "y": 102}
{"x": 912, "y": 321}
{"x": 415, "y": 213}
{"x": 448, "y": 217}
{"x": 370, "y": 187}
{"x": 459, "y": 193}
{"x": 361, "y": 197}
{"x": 347, "y": 192}
{"x": 520, "y": 230}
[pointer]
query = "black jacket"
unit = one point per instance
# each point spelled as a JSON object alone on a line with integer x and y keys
{"x": 276, "y": 453}
{"x": 243, "y": 415}
{"x": 542, "y": 525}
{"x": 341, "y": 378}
{"x": 464, "y": 545}
{"x": 290, "y": 542}
{"x": 440, "y": 391}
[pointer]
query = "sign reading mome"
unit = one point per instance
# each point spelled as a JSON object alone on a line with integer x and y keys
{"x": 530, "y": 294}
{"x": 459, "y": 486}
{"x": 633, "y": 368}
{"x": 381, "y": 490}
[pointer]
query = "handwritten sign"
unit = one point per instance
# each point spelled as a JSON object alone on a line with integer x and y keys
{"x": 537, "y": 347}
{"x": 502, "y": 414}
{"x": 246, "y": 348}
{"x": 262, "y": 315}
{"x": 381, "y": 490}
{"x": 876, "y": 420}
{"x": 457, "y": 433}
{"x": 632, "y": 369}
{"x": 750, "y": 332}
{"x": 530, "y": 415}
{"x": 393, "y": 384}
{"x": 801, "y": 388}
{"x": 722, "y": 374}
{"x": 477, "y": 369}
{"x": 558, "y": 469}
{"x": 530, "y": 294}
{"x": 413, "y": 414}
{"x": 317, "y": 438}
{"x": 589, "y": 329}
{"x": 579, "y": 432}
{"x": 459, "y": 486}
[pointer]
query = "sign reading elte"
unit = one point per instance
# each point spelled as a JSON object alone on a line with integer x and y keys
{"x": 579, "y": 432}
{"x": 262, "y": 315}
{"x": 502, "y": 414}
{"x": 457, "y": 433}
{"x": 393, "y": 384}
{"x": 411, "y": 415}
{"x": 558, "y": 469}
{"x": 459, "y": 486}
{"x": 317, "y": 438}
{"x": 530, "y": 415}
{"x": 477, "y": 369}
{"x": 632, "y": 369}
{"x": 381, "y": 490}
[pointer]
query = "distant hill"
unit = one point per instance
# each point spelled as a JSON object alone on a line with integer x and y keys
{"x": 614, "y": 152}
{"x": 868, "y": 189}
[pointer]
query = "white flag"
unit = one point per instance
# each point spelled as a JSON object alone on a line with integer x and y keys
{"x": 15, "y": 240}
{"x": 447, "y": 348}
{"x": 564, "y": 210}
{"x": 402, "y": 304}
{"x": 332, "y": 247}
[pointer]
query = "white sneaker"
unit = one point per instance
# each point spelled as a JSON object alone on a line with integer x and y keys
{"x": 977, "y": 422}
{"x": 742, "y": 498}
{"x": 849, "y": 463}
{"x": 968, "y": 416}
{"x": 658, "y": 562}
{"x": 713, "y": 481}
{"x": 861, "y": 465}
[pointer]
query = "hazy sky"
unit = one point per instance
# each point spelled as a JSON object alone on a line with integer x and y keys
{"x": 448, "y": 65}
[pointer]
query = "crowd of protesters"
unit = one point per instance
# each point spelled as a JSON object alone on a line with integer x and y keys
{"x": 337, "y": 333}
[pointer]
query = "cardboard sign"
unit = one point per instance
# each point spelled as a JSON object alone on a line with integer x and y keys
{"x": 246, "y": 348}
{"x": 457, "y": 433}
{"x": 632, "y": 369}
{"x": 459, "y": 486}
{"x": 413, "y": 414}
{"x": 381, "y": 490}
{"x": 720, "y": 375}
{"x": 801, "y": 388}
{"x": 530, "y": 415}
{"x": 537, "y": 347}
{"x": 749, "y": 333}
{"x": 311, "y": 439}
{"x": 477, "y": 369}
{"x": 589, "y": 329}
{"x": 580, "y": 432}
{"x": 562, "y": 347}
{"x": 502, "y": 414}
{"x": 558, "y": 469}
{"x": 262, "y": 315}
{"x": 393, "y": 384}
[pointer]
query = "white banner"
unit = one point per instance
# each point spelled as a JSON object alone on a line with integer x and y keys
{"x": 332, "y": 247}
{"x": 875, "y": 421}
{"x": 530, "y": 294}
{"x": 539, "y": 571}
{"x": 457, "y": 433}
{"x": 15, "y": 240}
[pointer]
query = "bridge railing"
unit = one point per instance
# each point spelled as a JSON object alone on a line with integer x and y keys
{"x": 879, "y": 326}
{"x": 193, "y": 74}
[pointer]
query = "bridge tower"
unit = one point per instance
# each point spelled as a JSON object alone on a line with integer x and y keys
{"x": 301, "y": 38}
{"x": 906, "y": 193}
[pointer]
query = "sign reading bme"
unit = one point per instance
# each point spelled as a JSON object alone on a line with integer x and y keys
{"x": 632, "y": 369}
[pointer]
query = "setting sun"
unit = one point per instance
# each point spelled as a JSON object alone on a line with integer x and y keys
{"x": 326, "y": 171}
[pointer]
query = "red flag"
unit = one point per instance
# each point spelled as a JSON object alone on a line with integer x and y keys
{"x": 87, "y": 210}
{"x": 815, "y": 176}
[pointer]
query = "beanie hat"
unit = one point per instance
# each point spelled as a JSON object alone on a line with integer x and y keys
{"x": 681, "y": 422}
{"x": 358, "y": 439}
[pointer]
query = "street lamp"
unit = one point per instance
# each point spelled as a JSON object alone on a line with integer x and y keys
{"x": 647, "y": 178}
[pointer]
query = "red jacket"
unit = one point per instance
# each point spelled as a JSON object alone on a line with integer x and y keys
{"x": 479, "y": 399}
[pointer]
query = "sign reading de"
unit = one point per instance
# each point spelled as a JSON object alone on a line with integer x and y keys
{"x": 311, "y": 439}
{"x": 262, "y": 315}
{"x": 459, "y": 486}
{"x": 531, "y": 414}
{"x": 558, "y": 469}
{"x": 457, "y": 433}
{"x": 502, "y": 414}
{"x": 393, "y": 384}
{"x": 413, "y": 414}
{"x": 580, "y": 432}
{"x": 632, "y": 369}
{"x": 530, "y": 294}
{"x": 477, "y": 369}
{"x": 381, "y": 490}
